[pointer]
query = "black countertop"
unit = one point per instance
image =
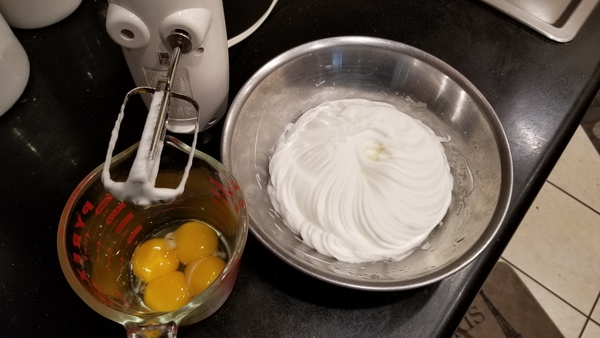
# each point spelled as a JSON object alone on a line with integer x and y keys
{"x": 59, "y": 129}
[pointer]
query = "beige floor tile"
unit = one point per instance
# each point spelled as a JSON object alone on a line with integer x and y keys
{"x": 592, "y": 330}
{"x": 557, "y": 245}
{"x": 596, "y": 314}
{"x": 568, "y": 320}
{"x": 578, "y": 170}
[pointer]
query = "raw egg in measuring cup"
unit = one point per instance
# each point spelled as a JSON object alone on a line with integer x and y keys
{"x": 153, "y": 259}
{"x": 194, "y": 240}
{"x": 160, "y": 262}
{"x": 167, "y": 293}
{"x": 202, "y": 273}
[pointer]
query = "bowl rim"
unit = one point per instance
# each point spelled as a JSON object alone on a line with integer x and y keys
{"x": 506, "y": 174}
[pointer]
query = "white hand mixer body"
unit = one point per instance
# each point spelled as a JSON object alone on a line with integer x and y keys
{"x": 141, "y": 27}
{"x": 174, "y": 49}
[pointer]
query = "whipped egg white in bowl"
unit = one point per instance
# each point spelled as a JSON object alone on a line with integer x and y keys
{"x": 397, "y": 155}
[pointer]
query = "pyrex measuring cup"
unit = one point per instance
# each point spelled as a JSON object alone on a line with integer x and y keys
{"x": 98, "y": 234}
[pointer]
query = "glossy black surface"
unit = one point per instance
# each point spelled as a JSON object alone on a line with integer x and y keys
{"x": 58, "y": 132}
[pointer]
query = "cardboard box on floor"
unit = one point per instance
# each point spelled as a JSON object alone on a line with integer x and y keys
{"x": 504, "y": 308}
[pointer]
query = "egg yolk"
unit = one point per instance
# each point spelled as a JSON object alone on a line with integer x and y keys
{"x": 194, "y": 240}
{"x": 153, "y": 259}
{"x": 202, "y": 273}
{"x": 167, "y": 293}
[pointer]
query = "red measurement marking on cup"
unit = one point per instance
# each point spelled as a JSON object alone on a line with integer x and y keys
{"x": 115, "y": 212}
{"x": 98, "y": 290}
{"x": 76, "y": 240}
{"x": 239, "y": 205}
{"x": 216, "y": 193}
{"x": 79, "y": 223}
{"x": 225, "y": 191}
{"x": 83, "y": 276}
{"x": 77, "y": 259}
{"x": 219, "y": 216}
{"x": 84, "y": 246}
{"x": 98, "y": 250}
{"x": 104, "y": 203}
{"x": 124, "y": 222}
{"x": 134, "y": 233}
{"x": 87, "y": 207}
{"x": 217, "y": 184}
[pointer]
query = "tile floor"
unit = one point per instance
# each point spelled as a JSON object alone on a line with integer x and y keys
{"x": 591, "y": 122}
{"x": 556, "y": 250}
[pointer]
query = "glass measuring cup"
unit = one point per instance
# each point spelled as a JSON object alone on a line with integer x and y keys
{"x": 97, "y": 235}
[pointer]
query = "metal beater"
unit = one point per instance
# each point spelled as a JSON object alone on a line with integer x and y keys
{"x": 139, "y": 188}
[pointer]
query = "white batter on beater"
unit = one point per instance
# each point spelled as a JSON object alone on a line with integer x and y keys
{"x": 139, "y": 187}
{"x": 360, "y": 181}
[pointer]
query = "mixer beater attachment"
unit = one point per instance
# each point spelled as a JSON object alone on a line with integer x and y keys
{"x": 139, "y": 188}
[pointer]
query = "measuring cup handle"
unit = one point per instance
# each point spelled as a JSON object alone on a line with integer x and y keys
{"x": 134, "y": 330}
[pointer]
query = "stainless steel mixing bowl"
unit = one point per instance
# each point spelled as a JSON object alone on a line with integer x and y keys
{"x": 416, "y": 83}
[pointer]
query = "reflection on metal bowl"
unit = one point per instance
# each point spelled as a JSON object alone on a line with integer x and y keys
{"x": 416, "y": 83}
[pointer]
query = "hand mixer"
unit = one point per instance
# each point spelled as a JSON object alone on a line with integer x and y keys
{"x": 175, "y": 49}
